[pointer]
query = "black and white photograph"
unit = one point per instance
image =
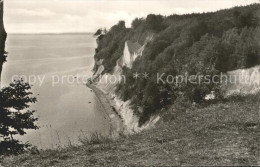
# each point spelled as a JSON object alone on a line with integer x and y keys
{"x": 129, "y": 83}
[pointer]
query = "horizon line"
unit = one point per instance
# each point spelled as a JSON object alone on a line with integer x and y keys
{"x": 49, "y": 33}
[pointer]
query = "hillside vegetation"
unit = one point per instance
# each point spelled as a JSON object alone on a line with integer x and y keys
{"x": 193, "y": 44}
{"x": 191, "y": 131}
{"x": 225, "y": 133}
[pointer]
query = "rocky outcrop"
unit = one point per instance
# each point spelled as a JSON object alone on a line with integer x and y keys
{"x": 131, "y": 52}
{"x": 3, "y": 36}
{"x": 107, "y": 82}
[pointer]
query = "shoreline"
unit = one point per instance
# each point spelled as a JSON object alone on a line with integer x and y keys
{"x": 115, "y": 120}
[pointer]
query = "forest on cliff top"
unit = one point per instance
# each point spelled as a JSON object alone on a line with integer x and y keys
{"x": 191, "y": 44}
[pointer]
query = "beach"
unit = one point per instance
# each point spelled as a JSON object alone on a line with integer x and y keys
{"x": 107, "y": 107}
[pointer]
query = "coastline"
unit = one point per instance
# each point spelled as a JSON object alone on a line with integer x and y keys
{"x": 115, "y": 120}
{"x": 126, "y": 122}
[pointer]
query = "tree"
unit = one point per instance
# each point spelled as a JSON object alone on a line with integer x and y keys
{"x": 136, "y": 22}
{"x": 121, "y": 24}
{"x": 245, "y": 19}
{"x": 3, "y": 36}
{"x": 154, "y": 22}
{"x": 15, "y": 117}
{"x": 182, "y": 45}
{"x": 98, "y": 32}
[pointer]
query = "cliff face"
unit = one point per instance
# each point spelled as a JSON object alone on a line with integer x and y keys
{"x": 191, "y": 46}
{"x": 3, "y": 36}
{"x": 108, "y": 84}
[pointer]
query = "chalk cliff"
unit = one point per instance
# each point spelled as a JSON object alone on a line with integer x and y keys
{"x": 191, "y": 46}
{"x": 108, "y": 82}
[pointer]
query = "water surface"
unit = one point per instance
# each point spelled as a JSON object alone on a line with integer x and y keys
{"x": 66, "y": 111}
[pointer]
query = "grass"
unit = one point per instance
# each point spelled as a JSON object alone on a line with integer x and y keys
{"x": 95, "y": 139}
{"x": 225, "y": 133}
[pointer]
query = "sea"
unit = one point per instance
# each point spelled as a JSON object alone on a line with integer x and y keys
{"x": 55, "y": 65}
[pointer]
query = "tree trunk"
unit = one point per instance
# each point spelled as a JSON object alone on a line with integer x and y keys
{"x": 3, "y": 36}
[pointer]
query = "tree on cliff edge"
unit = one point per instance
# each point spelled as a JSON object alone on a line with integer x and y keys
{"x": 15, "y": 116}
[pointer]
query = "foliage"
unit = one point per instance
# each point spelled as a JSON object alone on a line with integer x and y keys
{"x": 95, "y": 138}
{"x": 154, "y": 22}
{"x": 189, "y": 45}
{"x": 98, "y": 32}
{"x": 15, "y": 116}
{"x": 111, "y": 45}
{"x": 136, "y": 22}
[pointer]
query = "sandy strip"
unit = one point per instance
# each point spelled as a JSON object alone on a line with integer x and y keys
{"x": 107, "y": 104}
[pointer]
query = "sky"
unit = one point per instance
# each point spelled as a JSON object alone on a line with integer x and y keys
{"x": 60, "y": 16}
